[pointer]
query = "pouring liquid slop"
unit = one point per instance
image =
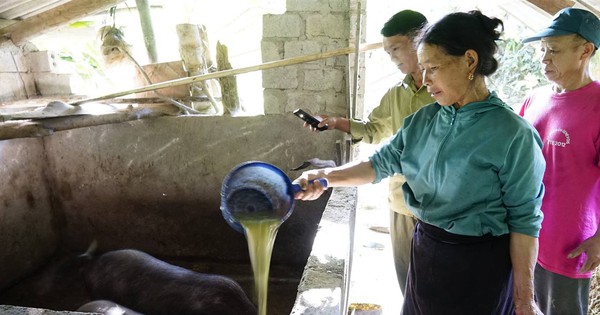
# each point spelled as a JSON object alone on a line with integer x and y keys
{"x": 256, "y": 198}
{"x": 254, "y": 211}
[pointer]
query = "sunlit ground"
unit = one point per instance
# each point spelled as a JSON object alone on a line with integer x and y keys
{"x": 373, "y": 275}
{"x": 373, "y": 278}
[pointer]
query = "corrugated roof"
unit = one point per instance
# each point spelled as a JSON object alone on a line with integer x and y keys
{"x": 19, "y": 11}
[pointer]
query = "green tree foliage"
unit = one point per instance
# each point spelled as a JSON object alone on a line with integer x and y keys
{"x": 519, "y": 71}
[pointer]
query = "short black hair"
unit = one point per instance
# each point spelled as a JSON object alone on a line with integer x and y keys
{"x": 406, "y": 22}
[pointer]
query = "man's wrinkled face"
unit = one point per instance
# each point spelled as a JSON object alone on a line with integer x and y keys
{"x": 562, "y": 57}
{"x": 402, "y": 52}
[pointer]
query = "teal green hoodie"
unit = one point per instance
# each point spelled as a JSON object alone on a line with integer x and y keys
{"x": 473, "y": 171}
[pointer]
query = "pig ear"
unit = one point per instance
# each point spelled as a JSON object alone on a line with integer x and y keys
{"x": 81, "y": 261}
{"x": 91, "y": 250}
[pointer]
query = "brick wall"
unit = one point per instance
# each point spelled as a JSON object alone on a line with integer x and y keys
{"x": 308, "y": 27}
{"x": 15, "y": 80}
{"x": 26, "y": 72}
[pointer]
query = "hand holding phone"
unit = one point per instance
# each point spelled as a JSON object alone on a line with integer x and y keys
{"x": 309, "y": 119}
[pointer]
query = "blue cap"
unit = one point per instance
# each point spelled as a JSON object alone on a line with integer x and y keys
{"x": 572, "y": 21}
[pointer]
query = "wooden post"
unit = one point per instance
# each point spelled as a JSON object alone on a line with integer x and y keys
{"x": 194, "y": 52}
{"x": 231, "y": 101}
{"x": 143, "y": 8}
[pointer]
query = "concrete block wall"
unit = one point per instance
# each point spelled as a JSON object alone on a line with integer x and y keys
{"x": 43, "y": 61}
{"x": 307, "y": 27}
{"x": 15, "y": 80}
{"x": 51, "y": 78}
{"x": 26, "y": 72}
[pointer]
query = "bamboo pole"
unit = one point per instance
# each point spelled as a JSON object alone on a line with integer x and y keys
{"x": 143, "y": 8}
{"x": 352, "y": 112}
{"x": 354, "y": 103}
{"x": 225, "y": 73}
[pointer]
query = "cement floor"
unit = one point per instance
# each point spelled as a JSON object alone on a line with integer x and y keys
{"x": 373, "y": 278}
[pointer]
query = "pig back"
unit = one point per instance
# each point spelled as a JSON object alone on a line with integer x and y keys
{"x": 148, "y": 285}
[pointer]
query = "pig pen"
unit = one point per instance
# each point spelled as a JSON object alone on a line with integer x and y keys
{"x": 154, "y": 185}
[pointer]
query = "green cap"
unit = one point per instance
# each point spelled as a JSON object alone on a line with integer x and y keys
{"x": 572, "y": 21}
{"x": 403, "y": 23}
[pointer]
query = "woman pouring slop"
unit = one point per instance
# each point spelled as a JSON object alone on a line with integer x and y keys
{"x": 473, "y": 172}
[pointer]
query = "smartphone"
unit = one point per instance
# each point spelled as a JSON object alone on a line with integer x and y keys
{"x": 309, "y": 119}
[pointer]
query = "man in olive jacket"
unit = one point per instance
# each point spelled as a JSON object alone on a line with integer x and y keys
{"x": 398, "y": 102}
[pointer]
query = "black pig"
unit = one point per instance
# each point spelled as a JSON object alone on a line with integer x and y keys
{"x": 153, "y": 287}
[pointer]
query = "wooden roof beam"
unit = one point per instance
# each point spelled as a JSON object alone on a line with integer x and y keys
{"x": 52, "y": 19}
{"x": 552, "y": 6}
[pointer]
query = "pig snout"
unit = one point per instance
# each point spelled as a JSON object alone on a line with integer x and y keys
{"x": 106, "y": 308}
{"x": 146, "y": 284}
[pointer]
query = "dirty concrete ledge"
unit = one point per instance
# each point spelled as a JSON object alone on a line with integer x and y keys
{"x": 17, "y": 310}
{"x": 322, "y": 287}
{"x": 41, "y": 127}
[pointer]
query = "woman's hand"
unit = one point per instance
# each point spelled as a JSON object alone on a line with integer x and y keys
{"x": 348, "y": 175}
{"x": 310, "y": 190}
{"x": 523, "y": 254}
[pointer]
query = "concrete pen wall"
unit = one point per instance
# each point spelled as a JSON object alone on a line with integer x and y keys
{"x": 151, "y": 184}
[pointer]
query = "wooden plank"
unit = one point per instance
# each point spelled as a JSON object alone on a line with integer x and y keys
{"x": 5, "y": 23}
{"x": 552, "y": 6}
{"x": 52, "y": 19}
